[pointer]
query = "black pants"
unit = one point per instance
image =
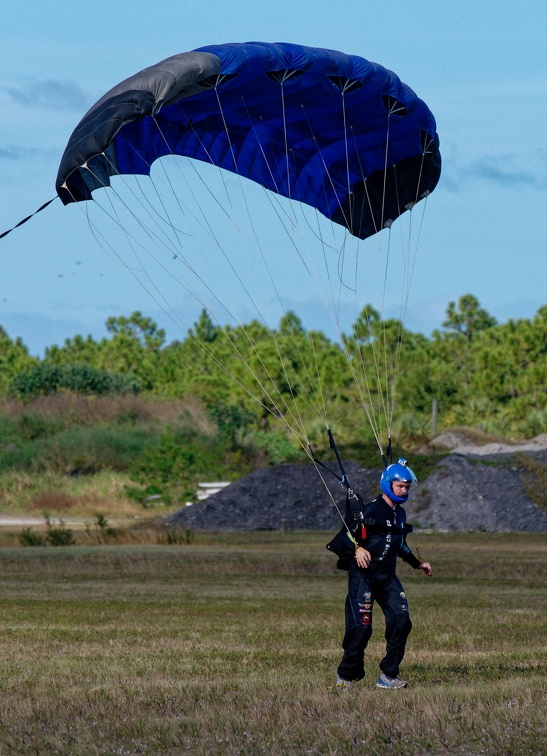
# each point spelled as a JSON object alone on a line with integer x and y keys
{"x": 364, "y": 589}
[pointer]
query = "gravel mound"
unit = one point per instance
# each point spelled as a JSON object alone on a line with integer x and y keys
{"x": 285, "y": 497}
{"x": 467, "y": 493}
{"x": 463, "y": 494}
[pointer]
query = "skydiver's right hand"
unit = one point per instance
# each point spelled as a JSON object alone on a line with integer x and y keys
{"x": 362, "y": 557}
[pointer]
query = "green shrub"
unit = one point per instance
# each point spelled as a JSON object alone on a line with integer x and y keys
{"x": 31, "y": 426}
{"x": 8, "y": 428}
{"x": 17, "y": 455}
{"x": 173, "y": 467}
{"x": 277, "y": 446}
{"x": 77, "y": 451}
{"x": 47, "y": 378}
{"x": 231, "y": 420}
{"x": 58, "y": 535}
{"x": 102, "y": 532}
{"x": 28, "y": 538}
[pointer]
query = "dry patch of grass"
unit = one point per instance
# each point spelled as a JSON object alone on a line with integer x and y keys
{"x": 68, "y": 496}
{"x": 69, "y": 409}
{"x": 230, "y": 644}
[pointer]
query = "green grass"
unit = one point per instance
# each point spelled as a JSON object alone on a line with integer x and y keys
{"x": 229, "y": 645}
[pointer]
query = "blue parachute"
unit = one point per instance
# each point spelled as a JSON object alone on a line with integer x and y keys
{"x": 334, "y": 131}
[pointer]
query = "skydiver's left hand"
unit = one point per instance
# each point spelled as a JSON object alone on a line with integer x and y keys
{"x": 426, "y": 567}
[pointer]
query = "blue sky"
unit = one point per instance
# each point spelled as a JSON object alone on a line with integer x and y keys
{"x": 479, "y": 66}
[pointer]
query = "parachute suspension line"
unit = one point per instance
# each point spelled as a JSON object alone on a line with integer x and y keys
{"x": 115, "y": 219}
{"x": 350, "y": 195}
{"x": 357, "y": 311}
{"x": 284, "y": 116}
{"x": 205, "y": 307}
{"x": 153, "y": 237}
{"x": 357, "y": 305}
{"x": 273, "y": 283}
{"x": 158, "y": 297}
{"x": 327, "y": 271}
{"x": 407, "y": 279}
{"x": 319, "y": 381}
{"x": 405, "y": 292}
{"x": 409, "y": 261}
{"x": 130, "y": 239}
{"x": 383, "y": 341}
{"x": 183, "y": 209}
{"x": 272, "y": 280}
{"x": 378, "y": 344}
{"x": 341, "y": 250}
{"x": 366, "y": 405}
{"x": 389, "y": 402}
{"x": 206, "y": 221}
{"x": 205, "y": 185}
{"x": 109, "y": 249}
{"x": 412, "y": 254}
{"x": 326, "y": 169}
{"x": 273, "y": 199}
{"x": 269, "y": 196}
{"x": 205, "y": 224}
{"x": 287, "y": 379}
{"x": 313, "y": 346}
{"x": 303, "y": 362}
{"x": 225, "y": 125}
{"x": 366, "y": 388}
{"x": 263, "y": 153}
{"x": 144, "y": 202}
{"x": 301, "y": 440}
{"x": 241, "y": 283}
{"x": 383, "y": 336}
{"x": 274, "y": 202}
{"x": 166, "y": 308}
{"x": 175, "y": 252}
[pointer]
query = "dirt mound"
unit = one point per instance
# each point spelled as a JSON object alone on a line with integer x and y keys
{"x": 462, "y": 494}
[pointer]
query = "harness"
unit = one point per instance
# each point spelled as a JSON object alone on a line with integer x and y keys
{"x": 366, "y": 526}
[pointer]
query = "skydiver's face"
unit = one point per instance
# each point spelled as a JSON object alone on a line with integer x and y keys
{"x": 400, "y": 487}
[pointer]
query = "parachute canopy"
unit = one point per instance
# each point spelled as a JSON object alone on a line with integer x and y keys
{"x": 334, "y": 131}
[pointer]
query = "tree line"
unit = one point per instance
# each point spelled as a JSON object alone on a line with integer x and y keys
{"x": 480, "y": 373}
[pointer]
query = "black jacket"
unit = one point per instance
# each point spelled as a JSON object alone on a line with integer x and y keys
{"x": 381, "y": 530}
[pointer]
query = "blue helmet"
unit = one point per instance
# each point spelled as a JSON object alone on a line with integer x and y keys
{"x": 397, "y": 471}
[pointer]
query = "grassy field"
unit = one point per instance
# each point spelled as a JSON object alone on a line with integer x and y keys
{"x": 230, "y": 646}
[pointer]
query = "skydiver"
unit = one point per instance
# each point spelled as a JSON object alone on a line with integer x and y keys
{"x": 379, "y": 532}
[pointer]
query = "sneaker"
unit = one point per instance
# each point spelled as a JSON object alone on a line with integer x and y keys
{"x": 342, "y": 684}
{"x": 390, "y": 683}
